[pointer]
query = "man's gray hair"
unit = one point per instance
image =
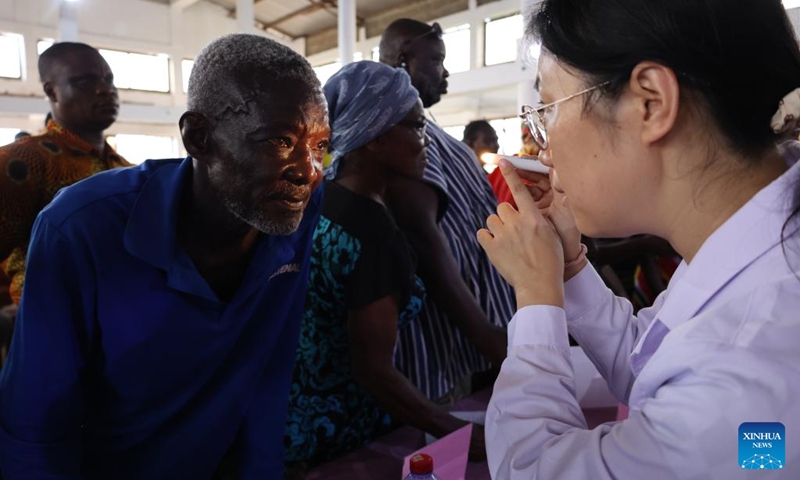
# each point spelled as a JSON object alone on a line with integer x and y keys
{"x": 229, "y": 71}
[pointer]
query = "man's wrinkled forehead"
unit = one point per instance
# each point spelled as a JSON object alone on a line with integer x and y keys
{"x": 288, "y": 101}
{"x": 265, "y": 90}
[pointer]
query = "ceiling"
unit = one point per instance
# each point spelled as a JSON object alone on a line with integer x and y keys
{"x": 316, "y": 20}
{"x": 294, "y": 18}
{"x": 300, "y": 18}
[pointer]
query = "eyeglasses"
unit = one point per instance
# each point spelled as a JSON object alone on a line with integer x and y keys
{"x": 420, "y": 126}
{"x": 536, "y": 118}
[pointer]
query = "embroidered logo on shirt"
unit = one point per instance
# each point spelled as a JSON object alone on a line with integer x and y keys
{"x": 762, "y": 446}
{"x": 288, "y": 268}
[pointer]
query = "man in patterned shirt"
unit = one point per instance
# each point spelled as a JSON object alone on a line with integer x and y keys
{"x": 83, "y": 100}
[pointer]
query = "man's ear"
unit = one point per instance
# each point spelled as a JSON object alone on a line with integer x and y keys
{"x": 196, "y": 134}
{"x": 402, "y": 60}
{"x": 50, "y": 91}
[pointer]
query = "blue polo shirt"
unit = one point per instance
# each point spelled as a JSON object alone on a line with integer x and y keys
{"x": 124, "y": 363}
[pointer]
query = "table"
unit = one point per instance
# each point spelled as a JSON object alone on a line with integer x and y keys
{"x": 383, "y": 458}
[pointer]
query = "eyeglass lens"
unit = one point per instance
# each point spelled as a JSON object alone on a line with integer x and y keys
{"x": 536, "y": 126}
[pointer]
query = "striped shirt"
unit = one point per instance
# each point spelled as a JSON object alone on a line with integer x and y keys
{"x": 431, "y": 352}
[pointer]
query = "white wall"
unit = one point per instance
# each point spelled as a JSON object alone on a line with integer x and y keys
{"x": 203, "y": 22}
{"x": 794, "y": 16}
{"x": 131, "y": 20}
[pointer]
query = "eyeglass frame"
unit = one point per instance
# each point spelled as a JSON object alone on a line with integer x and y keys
{"x": 537, "y": 129}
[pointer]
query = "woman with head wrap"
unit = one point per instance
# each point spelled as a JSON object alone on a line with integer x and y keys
{"x": 362, "y": 288}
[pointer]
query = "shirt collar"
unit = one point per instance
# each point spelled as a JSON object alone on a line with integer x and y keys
{"x": 77, "y": 143}
{"x": 151, "y": 230}
{"x": 752, "y": 231}
{"x": 150, "y": 233}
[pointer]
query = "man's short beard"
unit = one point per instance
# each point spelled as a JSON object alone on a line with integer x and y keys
{"x": 261, "y": 222}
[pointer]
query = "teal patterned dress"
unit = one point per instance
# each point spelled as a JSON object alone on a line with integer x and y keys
{"x": 359, "y": 256}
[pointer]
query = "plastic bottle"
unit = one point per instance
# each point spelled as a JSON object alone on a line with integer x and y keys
{"x": 421, "y": 468}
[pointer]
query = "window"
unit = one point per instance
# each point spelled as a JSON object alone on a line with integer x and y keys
{"x": 502, "y": 39}
{"x": 134, "y": 71}
{"x": 457, "y": 42}
{"x": 324, "y": 72}
{"x": 7, "y": 135}
{"x": 12, "y": 53}
{"x": 509, "y": 134}
{"x": 186, "y": 72}
{"x": 456, "y": 132}
{"x": 138, "y": 148}
{"x": 137, "y": 71}
{"x": 376, "y": 54}
{"x": 44, "y": 44}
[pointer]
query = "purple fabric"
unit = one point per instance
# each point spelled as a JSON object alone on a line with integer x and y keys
{"x": 650, "y": 344}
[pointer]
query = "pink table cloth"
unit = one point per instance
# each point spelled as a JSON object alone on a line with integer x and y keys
{"x": 383, "y": 458}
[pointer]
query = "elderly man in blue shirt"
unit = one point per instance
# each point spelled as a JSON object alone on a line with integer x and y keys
{"x": 161, "y": 312}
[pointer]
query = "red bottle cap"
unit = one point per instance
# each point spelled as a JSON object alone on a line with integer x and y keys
{"x": 421, "y": 464}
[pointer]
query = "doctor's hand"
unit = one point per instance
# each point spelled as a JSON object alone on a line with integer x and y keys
{"x": 554, "y": 206}
{"x": 525, "y": 246}
{"x": 539, "y": 186}
{"x": 563, "y": 220}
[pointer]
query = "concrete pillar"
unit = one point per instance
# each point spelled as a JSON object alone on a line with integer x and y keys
{"x": 30, "y": 71}
{"x": 477, "y": 34}
{"x": 347, "y": 30}
{"x": 245, "y": 16}
{"x": 176, "y": 55}
{"x": 68, "y": 21}
{"x": 526, "y": 94}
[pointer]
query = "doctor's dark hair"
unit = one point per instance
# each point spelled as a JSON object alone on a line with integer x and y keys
{"x": 735, "y": 58}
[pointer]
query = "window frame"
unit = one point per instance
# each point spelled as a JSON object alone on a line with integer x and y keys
{"x": 486, "y": 23}
{"x": 157, "y": 55}
{"x": 21, "y": 56}
{"x": 168, "y": 58}
{"x": 461, "y": 28}
{"x": 185, "y": 78}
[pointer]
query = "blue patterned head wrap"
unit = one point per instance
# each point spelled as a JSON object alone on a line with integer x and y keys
{"x": 365, "y": 100}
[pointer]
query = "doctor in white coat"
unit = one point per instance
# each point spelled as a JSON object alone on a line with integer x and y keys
{"x": 664, "y": 118}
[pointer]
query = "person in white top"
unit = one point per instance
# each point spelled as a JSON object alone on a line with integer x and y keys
{"x": 660, "y": 119}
